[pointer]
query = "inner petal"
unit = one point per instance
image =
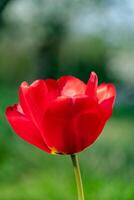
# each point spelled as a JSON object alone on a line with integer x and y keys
{"x": 71, "y": 86}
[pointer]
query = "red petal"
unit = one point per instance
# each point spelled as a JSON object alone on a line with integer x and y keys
{"x": 88, "y": 126}
{"x": 106, "y": 94}
{"x": 33, "y": 100}
{"x": 23, "y": 95}
{"x": 92, "y": 85}
{"x": 53, "y": 90}
{"x": 105, "y": 91}
{"x": 25, "y": 128}
{"x": 71, "y": 86}
{"x": 59, "y": 129}
{"x": 57, "y": 132}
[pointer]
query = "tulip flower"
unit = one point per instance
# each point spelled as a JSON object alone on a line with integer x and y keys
{"x": 62, "y": 116}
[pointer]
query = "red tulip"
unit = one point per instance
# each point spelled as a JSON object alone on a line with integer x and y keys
{"x": 62, "y": 116}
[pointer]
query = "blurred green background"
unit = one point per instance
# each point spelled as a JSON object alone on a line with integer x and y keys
{"x": 47, "y": 38}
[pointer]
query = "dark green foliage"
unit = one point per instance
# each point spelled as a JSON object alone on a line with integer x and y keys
{"x": 3, "y": 4}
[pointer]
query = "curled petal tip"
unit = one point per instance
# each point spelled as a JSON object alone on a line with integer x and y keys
{"x": 7, "y": 110}
{"x": 24, "y": 84}
{"x": 93, "y": 77}
{"x": 35, "y": 83}
{"x": 38, "y": 83}
{"x": 93, "y": 73}
{"x": 92, "y": 85}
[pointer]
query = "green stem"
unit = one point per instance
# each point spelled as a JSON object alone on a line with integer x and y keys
{"x": 76, "y": 166}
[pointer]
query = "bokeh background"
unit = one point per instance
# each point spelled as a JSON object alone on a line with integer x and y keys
{"x": 50, "y": 38}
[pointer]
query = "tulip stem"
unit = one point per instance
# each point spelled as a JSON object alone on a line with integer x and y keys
{"x": 77, "y": 173}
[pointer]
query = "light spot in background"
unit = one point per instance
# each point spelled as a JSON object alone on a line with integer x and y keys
{"x": 122, "y": 66}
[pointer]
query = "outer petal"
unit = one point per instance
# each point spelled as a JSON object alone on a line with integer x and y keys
{"x": 106, "y": 94}
{"x": 61, "y": 130}
{"x": 71, "y": 86}
{"x": 88, "y": 126}
{"x": 57, "y": 121}
{"x": 106, "y": 91}
{"x": 92, "y": 85}
{"x": 25, "y": 128}
{"x": 23, "y": 95}
{"x": 35, "y": 98}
